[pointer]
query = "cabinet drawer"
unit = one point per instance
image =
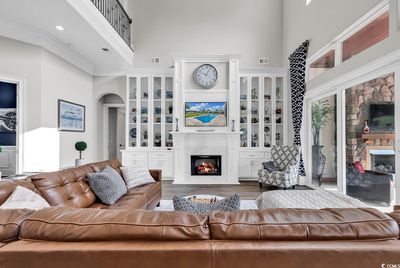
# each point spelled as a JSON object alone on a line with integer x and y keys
{"x": 252, "y": 155}
{"x": 160, "y": 155}
{"x": 134, "y": 155}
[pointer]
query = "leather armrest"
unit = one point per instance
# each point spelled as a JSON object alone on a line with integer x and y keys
{"x": 156, "y": 174}
{"x": 10, "y": 221}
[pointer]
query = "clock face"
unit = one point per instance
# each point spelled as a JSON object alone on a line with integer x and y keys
{"x": 206, "y": 76}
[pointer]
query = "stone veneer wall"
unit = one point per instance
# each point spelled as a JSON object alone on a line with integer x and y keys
{"x": 358, "y": 99}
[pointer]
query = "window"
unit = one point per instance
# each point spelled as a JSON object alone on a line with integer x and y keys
{"x": 371, "y": 34}
{"x": 323, "y": 64}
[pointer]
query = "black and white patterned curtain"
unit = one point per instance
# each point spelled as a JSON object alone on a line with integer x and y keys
{"x": 298, "y": 87}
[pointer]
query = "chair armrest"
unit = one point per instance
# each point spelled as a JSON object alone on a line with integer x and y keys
{"x": 156, "y": 174}
{"x": 291, "y": 169}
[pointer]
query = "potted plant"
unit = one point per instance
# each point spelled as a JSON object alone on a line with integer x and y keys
{"x": 80, "y": 146}
{"x": 321, "y": 113}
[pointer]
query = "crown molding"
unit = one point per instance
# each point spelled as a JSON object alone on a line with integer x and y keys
{"x": 34, "y": 36}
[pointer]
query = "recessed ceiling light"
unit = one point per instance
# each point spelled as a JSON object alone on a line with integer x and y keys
{"x": 105, "y": 49}
{"x": 60, "y": 28}
{"x": 308, "y": 2}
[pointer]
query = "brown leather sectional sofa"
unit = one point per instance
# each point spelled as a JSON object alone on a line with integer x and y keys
{"x": 71, "y": 234}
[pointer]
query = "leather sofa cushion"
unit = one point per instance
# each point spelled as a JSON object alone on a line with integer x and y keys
{"x": 125, "y": 203}
{"x": 303, "y": 224}
{"x": 10, "y": 220}
{"x": 7, "y": 187}
{"x": 148, "y": 190}
{"x": 66, "y": 224}
{"x": 130, "y": 202}
{"x": 395, "y": 215}
{"x": 66, "y": 188}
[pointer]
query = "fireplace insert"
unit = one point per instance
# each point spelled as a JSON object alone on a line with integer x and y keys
{"x": 206, "y": 165}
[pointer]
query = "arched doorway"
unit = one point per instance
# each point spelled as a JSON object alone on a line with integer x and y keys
{"x": 113, "y": 126}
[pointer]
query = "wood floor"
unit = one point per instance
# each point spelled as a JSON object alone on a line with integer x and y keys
{"x": 248, "y": 190}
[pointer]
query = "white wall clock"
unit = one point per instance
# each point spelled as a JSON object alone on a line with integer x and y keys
{"x": 206, "y": 76}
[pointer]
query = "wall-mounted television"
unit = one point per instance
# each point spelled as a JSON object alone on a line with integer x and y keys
{"x": 381, "y": 117}
{"x": 205, "y": 114}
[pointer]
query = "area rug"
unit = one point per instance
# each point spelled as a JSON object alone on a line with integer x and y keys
{"x": 166, "y": 205}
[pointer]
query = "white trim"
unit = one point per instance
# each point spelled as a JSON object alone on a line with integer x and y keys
{"x": 20, "y": 82}
{"x": 397, "y": 131}
{"x": 106, "y": 108}
{"x": 337, "y": 42}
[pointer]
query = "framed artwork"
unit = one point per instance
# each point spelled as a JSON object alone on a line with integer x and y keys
{"x": 71, "y": 116}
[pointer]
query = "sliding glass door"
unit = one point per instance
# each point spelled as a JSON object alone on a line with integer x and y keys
{"x": 370, "y": 141}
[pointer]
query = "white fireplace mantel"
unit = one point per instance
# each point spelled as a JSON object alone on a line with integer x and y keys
{"x": 225, "y": 144}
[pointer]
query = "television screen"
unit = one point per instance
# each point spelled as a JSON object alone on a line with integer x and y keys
{"x": 205, "y": 114}
{"x": 381, "y": 117}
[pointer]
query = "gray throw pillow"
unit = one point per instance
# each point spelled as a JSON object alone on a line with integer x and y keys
{"x": 229, "y": 204}
{"x": 269, "y": 166}
{"x": 108, "y": 185}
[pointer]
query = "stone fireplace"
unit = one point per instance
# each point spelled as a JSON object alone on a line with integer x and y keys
{"x": 206, "y": 165}
{"x": 358, "y": 100}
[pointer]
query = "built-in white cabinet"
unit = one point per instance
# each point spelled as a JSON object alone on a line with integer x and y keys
{"x": 257, "y": 102}
{"x": 150, "y": 111}
{"x": 150, "y": 122}
{"x": 263, "y": 111}
{"x": 263, "y": 118}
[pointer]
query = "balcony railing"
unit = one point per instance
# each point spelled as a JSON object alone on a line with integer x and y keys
{"x": 117, "y": 16}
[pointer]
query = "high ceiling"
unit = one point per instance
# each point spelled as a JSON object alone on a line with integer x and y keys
{"x": 80, "y": 43}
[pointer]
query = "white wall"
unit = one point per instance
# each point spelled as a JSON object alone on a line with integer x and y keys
{"x": 167, "y": 28}
{"x": 61, "y": 80}
{"x": 47, "y": 78}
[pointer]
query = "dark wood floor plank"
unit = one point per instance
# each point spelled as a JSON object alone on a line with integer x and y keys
{"x": 248, "y": 190}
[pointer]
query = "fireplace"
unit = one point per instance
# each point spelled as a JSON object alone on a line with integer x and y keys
{"x": 383, "y": 160}
{"x": 206, "y": 165}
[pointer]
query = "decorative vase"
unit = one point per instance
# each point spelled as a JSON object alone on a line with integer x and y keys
{"x": 366, "y": 127}
{"x": 318, "y": 164}
{"x": 233, "y": 125}
{"x": 177, "y": 125}
{"x": 79, "y": 162}
{"x": 170, "y": 109}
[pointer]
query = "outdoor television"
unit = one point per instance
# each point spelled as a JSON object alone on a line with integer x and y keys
{"x": 381, "y": 117}
{"x": 205, "y": 114}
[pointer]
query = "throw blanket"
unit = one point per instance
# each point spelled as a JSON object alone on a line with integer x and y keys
{"x": 310, "y": 199}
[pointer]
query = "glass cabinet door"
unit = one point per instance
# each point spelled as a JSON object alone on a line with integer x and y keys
{"x": 144, "y": 112}
{"x": 267, "y": 112}
{"x": 255, "y": 111}
{"x": 279, "y": 111}
{"x": 132, "y": 112}
{"x": 168, "y": 121}
{"x": 157, "y": 116}
{"x": 243, "y": 112}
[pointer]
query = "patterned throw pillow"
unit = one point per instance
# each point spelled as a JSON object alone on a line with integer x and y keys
{"x": 136, "y": 176}
{"x": 108, "y": 185}
{"x": 269, "y": 166}
{"x": 229, "y": 204}
{"x": 23, "y": 198}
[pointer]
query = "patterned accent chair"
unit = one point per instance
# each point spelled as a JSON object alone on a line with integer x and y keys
{"x": 286, "y": 159}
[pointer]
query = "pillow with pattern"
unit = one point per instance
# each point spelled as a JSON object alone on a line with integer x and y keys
{"x": 23, "y": 198}
{"x": 135, "y": 176}
{"x": 229, "y": 204}
{"x": 108, "y": 185}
